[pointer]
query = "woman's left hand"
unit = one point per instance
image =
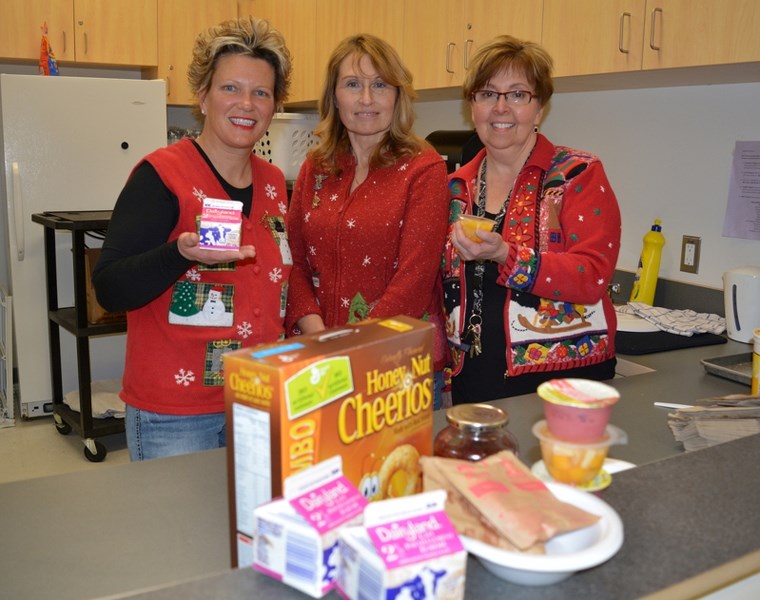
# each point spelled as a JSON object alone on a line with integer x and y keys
{"x": 492, "y": 247}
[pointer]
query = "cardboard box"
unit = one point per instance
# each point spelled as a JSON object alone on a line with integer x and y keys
{"x": 363, "y": 392}
{"x": 407, "y": 548}
{"x": 297, "y": 536}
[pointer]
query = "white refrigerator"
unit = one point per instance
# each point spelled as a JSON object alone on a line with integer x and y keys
{"x": 69, "y": 144}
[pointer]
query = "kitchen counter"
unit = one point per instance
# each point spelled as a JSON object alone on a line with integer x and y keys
{"x": 162, "y": 526}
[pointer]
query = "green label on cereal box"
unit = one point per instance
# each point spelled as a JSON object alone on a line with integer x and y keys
{"x": 318, "y": 384}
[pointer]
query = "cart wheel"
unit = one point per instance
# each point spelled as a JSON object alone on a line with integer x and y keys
{"x": 61, "y": 426}
{"x": 94, "y": 451}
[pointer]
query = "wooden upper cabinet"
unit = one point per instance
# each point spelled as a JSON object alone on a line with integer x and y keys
{"x": 21, "y": 33}
{"x": 593, "y": 36}
{"x": 179, "y": 23}
{"x": 338, "y": 19}
{"x": 685, "y": 33}
{"x": 440, "y": 36}
{"x": 118, "y": 32}
{"x": 434, "y": 42}
{"x": 296, "y": 20}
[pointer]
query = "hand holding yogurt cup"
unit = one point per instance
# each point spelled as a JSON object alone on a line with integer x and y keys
{"x": 472, "y": 223}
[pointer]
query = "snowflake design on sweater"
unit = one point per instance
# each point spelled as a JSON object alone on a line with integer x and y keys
{"x": 184, "y": 377}
{"x": 404, "y": 167}
{"x": 193, "y": 274}
{"x": 270, "y": 191}
{"x": 333, "y": 197}
{"x": 367, "y": 261}
{"x": 312, "y": 250}
{"x": 245, "y": 330}
{"x": 283, "y": 207}
{"x": 345, "y": 302}
{"x": 275, "y": 275}
{"x": 306, "y": 217}
{"x": 351, "y": 223}
{"x": 200, "y": 194}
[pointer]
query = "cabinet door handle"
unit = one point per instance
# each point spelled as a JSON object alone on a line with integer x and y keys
{"x": 652, "y": 21}
{"x": 85, "y": 42}
{"x": 16, "y": 213}
{"x": 626, "y": 16}
{"x": 449, "y": 50}
{"x": 467, "y": 45}
{"x": 64, "y": 43}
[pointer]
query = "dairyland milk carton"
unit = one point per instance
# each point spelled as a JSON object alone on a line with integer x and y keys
{"x": 363, "y": 392}
{"x": 407, "y": 548}
{"x": 297, "y": 536}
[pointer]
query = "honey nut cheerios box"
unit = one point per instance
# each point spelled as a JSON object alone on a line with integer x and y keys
{"x": 364, "y": 392}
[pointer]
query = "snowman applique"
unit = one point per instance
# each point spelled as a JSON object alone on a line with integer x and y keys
{"x": 214, "y": 311}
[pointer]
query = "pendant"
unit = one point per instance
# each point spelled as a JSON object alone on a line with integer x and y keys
{"x": 473, "y": 332}
{"x": 318, "y": 179}
{"x": 315, "y": 201}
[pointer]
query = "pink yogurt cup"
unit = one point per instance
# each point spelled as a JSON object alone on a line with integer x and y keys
{"x": 577, "y": 410}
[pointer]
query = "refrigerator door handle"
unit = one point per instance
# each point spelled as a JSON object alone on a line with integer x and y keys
{"x": 16, "y": 212}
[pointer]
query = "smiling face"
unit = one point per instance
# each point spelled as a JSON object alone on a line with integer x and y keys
{"x": 365, "y": 102}
{"x": 506, "y": 126}
{"x": 239, "y": 102}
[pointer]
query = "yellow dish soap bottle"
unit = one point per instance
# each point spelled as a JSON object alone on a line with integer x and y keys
{"x": 645, "y": 280}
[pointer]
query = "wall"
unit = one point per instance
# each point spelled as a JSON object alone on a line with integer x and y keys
{"x": 667, "y": 153}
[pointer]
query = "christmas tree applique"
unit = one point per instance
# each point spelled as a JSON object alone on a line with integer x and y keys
{"x": 358, "y": 310}
{"x": 183, "y": 300}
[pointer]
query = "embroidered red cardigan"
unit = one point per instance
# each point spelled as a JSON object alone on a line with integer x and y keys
{"x": 573, "y": 241}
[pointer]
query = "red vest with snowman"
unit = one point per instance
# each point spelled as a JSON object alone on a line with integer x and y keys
{"x": 175, "y": 343}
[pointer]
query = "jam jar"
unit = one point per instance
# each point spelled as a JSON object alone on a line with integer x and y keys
{"x": 474, "y": 432}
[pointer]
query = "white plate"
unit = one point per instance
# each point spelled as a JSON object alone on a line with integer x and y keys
{"x": 566, "y": 553}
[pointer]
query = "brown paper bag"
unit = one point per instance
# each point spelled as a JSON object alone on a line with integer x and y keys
{"x": 508, "y": 497}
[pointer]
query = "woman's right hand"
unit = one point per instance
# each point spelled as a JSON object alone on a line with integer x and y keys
{"x": 188, "y": 245}
{"x": 311, "y": 324}
{"x": 491, "y": 247}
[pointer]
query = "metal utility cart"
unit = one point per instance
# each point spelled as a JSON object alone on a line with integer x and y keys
{"x": 74, "y": 320}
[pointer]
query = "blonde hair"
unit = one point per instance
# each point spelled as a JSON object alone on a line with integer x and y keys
{"x": 247, "y": 36}
{"x": 508, "y": 53}
{"x": 399, "y": 140}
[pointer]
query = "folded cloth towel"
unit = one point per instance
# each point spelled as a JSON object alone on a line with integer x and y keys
{"x": 680, "y": 322}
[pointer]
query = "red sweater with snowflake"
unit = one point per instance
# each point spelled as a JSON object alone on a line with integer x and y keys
{"x": 373, "y": 252}
{"x": 175, "y": 342}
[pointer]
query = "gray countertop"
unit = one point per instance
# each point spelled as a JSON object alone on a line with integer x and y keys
{"x": 147, "y": 526}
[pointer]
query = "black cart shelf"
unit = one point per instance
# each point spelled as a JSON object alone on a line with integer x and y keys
{"x": 74, "y": 320}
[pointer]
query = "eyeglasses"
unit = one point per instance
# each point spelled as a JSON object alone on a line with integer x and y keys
{"x": 490, "y": 97}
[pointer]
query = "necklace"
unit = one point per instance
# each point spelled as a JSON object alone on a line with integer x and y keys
{"x": 475, "y": 322}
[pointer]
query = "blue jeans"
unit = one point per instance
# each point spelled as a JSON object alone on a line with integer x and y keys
{"x": 153, "y": 435}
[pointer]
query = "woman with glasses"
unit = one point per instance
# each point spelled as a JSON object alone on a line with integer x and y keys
{"x": 369, "y": 209}
{"x": 528, "y": 301}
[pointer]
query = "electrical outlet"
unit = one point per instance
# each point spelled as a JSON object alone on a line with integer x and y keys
{"x": 690, "y": 253}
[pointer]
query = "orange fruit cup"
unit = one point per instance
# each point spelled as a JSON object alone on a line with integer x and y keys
{"x": 471, "y": 223}
{"x": 574, "y": 463}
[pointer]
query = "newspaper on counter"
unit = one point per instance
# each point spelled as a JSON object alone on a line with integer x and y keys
{"x": 715, "y": 420}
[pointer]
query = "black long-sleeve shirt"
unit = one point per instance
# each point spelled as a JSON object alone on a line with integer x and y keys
{"x": 137, "y": 263}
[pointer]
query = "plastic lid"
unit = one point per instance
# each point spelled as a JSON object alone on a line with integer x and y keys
{"x": 477, "y": 416}
{"x": 584, "y": 393}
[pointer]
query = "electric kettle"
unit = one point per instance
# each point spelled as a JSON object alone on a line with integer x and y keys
{"x": 741, "y": 294}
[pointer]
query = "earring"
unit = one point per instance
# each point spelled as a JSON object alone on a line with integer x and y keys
{"x": 535, "y": 129}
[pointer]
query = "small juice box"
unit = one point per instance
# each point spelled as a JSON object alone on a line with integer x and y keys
{"x": 407, "y": 548}
{"x": 220, "y": 224}
{"x": 297, "y": 540}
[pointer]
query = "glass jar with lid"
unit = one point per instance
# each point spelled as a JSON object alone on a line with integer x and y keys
{"x": 474, "y": 432}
